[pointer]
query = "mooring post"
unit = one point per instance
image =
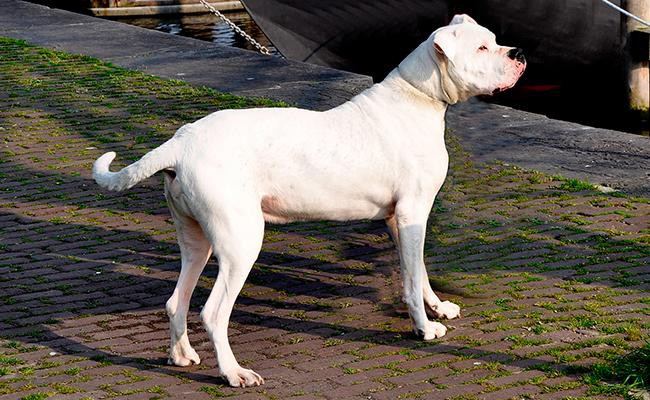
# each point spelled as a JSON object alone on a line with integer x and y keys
{"x": 638, "y": 58}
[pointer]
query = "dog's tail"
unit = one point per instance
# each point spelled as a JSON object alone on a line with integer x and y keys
{"x": 164, "y": 156}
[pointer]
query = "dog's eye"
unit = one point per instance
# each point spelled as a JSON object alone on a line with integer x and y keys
{"x": 482, "y": 48}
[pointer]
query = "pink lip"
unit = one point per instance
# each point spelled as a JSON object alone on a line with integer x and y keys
{"x": 521, "y": 68}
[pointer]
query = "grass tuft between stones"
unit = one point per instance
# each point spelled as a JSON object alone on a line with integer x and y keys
{"x": 625, "y": 375}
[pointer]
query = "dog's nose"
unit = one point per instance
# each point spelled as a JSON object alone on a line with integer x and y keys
{"x": 517, "y": 54}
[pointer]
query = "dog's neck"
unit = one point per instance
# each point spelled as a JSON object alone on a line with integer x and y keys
{"x": 418, "y": 85}
{"x": 396, "y": 96}
{"x": 427, "y": 71}
{"x": 397, "y": 80}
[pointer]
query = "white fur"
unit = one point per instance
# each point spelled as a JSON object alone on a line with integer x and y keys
{"x": 381, "y": 155}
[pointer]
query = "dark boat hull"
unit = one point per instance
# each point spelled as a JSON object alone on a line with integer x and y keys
{"x": 364, "y": 36}
{"x": 371, "y": 37}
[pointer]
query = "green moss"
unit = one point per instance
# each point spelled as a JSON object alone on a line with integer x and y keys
{"x": 521, "y": 341}
{"x": 576, "y": 185}
{"x": 62, "y": 388}
{"x": 333, "y": 342}
{"x": 72, "y": 371}
{"x": 9, "y": 360}
{"x": 212, "y": 391}
{"x": 36, "y": 396}
{"x": 102, "y": 359}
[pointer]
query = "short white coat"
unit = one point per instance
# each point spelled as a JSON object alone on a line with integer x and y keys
{"x": 381, "y": 155}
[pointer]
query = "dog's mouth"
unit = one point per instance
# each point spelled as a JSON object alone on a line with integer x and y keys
{"x": 502, "y": 89}
{"x": 506, "y": 87}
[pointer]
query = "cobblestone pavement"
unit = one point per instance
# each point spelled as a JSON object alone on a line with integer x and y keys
{"x": 552, "y": 275}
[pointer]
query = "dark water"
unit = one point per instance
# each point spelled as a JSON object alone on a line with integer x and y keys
{"x": 585, "y": 99}
{"x": 564, "y": 100}
{"x": 206, "y": 27}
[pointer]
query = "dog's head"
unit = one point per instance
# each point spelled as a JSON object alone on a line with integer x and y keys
{"x": 462, "y": 60}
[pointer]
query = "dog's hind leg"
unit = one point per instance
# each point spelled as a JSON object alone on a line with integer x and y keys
{"x": 195, "y": 252}
{"x": 434, "y": 307}
{"x": 236, "y": 236}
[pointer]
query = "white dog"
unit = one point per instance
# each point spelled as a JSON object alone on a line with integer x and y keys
{"x": 381, "y": 155}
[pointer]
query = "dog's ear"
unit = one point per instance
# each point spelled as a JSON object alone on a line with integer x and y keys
{"x": 462, "y": 19}
{"x": 444, "y": 42}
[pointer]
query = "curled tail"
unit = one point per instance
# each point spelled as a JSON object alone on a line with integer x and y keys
{"x": 162, "y": 157}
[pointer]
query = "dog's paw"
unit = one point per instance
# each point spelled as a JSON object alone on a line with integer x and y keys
{"x": 183, "y": 357}
{"x": 242, "y": 377}
{"x": 432, "y": 330}
{"x": 446, "y": 309}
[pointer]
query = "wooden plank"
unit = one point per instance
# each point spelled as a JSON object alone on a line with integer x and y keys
{"x": 164, "y": 9}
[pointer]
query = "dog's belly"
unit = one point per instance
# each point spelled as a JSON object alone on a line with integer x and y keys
{"x": 278, "y": 210}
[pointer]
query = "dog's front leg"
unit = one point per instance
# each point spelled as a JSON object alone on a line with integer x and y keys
{"x": 411, "y": 226}
{"x": 433, "y": 305}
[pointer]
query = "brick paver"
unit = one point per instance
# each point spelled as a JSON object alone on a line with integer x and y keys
{"x": 552, "y": 275}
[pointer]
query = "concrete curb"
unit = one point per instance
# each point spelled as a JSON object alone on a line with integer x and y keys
{"x": 610, "y": 158}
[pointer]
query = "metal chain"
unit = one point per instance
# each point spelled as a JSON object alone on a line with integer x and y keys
{"x": 237, "y": 29}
